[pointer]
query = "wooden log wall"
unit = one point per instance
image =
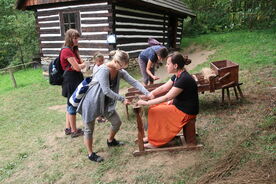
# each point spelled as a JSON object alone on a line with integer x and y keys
{"x": 95, "y": 24}
{"x": 179, "y": 31}
{"x": 133, "y": 27}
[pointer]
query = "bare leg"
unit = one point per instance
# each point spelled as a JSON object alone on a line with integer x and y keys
{"x": 67, "y": 125}
{"x": 72, "y": 120}
{"x": 88, "y": 143}
{"x": 111, "y": 135}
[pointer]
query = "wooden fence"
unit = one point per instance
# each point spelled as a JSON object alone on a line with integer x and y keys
{"x": 12, "y": 69}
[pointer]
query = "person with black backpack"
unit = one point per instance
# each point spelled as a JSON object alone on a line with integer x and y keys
{"x": 71, "y": 64}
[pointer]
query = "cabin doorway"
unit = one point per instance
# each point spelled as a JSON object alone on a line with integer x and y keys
{"x": 172, "y": 32}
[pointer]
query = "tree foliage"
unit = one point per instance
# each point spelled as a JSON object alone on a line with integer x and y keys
{"x": 228, "y": 15}
{"x": 18, "y": 40}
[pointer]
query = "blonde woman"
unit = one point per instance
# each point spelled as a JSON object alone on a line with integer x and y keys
{"x": 101, "y": 100}
{"x": 71, "y": 64}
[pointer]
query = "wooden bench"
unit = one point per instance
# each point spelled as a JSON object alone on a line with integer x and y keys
{"x": 186, "y": 141}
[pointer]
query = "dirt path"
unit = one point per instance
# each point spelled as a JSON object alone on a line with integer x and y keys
{"x": 197, "y": 56}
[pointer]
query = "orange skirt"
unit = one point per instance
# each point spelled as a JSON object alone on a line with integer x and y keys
{"x": 165, "y": 122}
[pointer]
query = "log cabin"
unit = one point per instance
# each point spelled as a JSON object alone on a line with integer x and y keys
{"x": 106, "y": 25}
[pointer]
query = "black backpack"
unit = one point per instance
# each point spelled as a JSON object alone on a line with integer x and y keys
{"x": 56, "y": 71}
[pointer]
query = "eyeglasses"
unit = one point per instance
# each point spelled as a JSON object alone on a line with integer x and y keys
{"x": 121, "y": 66}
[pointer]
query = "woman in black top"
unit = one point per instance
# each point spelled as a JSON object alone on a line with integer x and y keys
{"x": 176, "y": 108}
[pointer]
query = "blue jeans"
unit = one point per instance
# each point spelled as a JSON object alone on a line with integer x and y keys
{"x": 71, "y": 110}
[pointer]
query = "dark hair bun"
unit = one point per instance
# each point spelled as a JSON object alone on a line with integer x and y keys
{"x": 187, "y": 61}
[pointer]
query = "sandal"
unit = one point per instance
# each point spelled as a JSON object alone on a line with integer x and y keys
{"x": 67, "y": 131}
{"x": 78, "y": 133}
{"x": 101, "y": 120}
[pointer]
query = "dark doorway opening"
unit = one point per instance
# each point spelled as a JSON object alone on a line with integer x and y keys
{"x": 172, "y": 32}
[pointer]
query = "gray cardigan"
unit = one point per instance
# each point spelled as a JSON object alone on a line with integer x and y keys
{"x": 93, "y": 104}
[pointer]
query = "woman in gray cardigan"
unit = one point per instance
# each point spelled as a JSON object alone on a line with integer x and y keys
{"x": 102, "y": 97}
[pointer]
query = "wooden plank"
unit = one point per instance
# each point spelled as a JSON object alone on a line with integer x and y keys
{"x": 139, "y": 32}
{"x": 140, "y": 6}
{"x": 94, "y": 37}
{"x": 175, "y": 148}
{"x": 55, "y": 24}
{"x": 147, "y": 87}
{"x": 130, "y": 48}
{"x": 131, "y": 20}
{"x": 140, "y": 127}
{"x": 94, "y": 21}
{"x": 49, "y": 31}
{"x": 95, "y": 29}
{"x": 133, "y": 40}
{"x": 81, "y": 9}
{"x": 52, "y": 38}
{"x": 51, "y": 45}
{"x": 81, "y": 52}
{"x": 39, "y": 2}
{"x": 96, "y": 15}
{"x": 93, "y": 45}
{"x": 175, "y": 6}
{"x": 136, "y": 14}
{"x": 49, "y": 18}
{"x": 137, "y": 26}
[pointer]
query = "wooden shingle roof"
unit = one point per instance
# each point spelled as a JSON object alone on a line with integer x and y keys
{"x": 173, "y": 5}
{"x": 176, "y": 6}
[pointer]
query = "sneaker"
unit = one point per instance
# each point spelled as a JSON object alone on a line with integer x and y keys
{"x": 77, "y": 134}
{"x": 114, "y": 142}
{"x": 67, "y": 131}
{"x": 96, "y": 158}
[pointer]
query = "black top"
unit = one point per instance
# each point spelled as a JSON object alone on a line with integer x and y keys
{"x": 187, "y": 100}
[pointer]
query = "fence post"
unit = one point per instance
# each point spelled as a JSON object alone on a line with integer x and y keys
{"x": 12, "y": 78}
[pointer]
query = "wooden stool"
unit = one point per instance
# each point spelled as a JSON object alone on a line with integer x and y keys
{"x": 188, "y": 131}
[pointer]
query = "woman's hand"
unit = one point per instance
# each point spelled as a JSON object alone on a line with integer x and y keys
{"x": 142, "y": 102}
{"x": 150, "y": 96}
{"x": 155, "y": 77}
{"x": 126, "y": 102}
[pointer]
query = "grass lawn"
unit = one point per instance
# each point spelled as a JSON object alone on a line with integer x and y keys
{"x": 239, "y": 140}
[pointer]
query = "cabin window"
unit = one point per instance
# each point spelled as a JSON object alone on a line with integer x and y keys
{"x": 70, "y": 20}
